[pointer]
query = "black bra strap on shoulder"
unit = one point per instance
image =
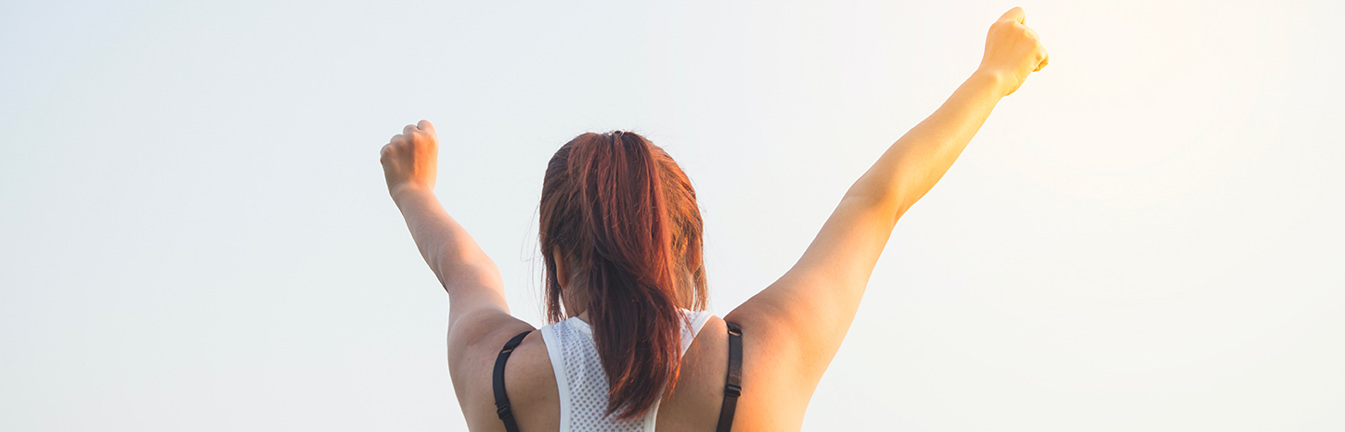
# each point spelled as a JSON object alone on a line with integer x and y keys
{"x": 733, "y": 384}
{"x": 502, "y": 408}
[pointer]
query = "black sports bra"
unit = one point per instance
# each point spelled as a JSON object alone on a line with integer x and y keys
{"x": 733, "y": 383}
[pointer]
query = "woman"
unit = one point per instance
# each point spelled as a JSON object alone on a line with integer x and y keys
{"x": 630, "y": 346}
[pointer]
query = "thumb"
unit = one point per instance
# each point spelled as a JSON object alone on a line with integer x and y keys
{"x": 426, "y": 126}
{"x": 1015, "y": 14}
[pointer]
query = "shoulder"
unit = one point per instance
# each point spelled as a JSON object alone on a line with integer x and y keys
{"x": 774, "y": 396}
{"x": 770, "y": 400}
{"x": 530, "y": 382}
{"x": 474, "y": 344}
{"x": 479, "y": 335}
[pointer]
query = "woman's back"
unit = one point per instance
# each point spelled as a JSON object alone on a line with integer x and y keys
{"x": 620, "y": 231}
{"x": 769, "y": 400}
{"x": 581, "y": 382}
{"x": 569, "y": 392}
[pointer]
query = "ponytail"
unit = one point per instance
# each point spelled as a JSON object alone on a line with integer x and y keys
{"x": 625, "y": 218}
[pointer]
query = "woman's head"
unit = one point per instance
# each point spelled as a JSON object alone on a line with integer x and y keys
{"x": 623, "y": 218}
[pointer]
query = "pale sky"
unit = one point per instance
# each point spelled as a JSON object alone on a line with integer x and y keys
{"x": 195, "y": 233}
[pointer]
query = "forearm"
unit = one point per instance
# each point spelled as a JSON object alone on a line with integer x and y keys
{"x": 451, "y": 253}
{"x": 913, "y": 164}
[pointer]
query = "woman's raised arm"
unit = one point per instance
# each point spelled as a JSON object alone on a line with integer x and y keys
{"x": 475, "y": 291}
{"x": 801, "y": 319}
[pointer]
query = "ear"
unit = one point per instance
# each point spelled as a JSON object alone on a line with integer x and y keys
{"x": 561, "y": 274}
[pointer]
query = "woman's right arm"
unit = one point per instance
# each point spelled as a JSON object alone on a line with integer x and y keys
{"x": 802, "y": 318}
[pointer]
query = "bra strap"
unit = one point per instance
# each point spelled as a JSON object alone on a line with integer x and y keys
{"x": 501, "y": 399}
{"x": 733, "y": 384}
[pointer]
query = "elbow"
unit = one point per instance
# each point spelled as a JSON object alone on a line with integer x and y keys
{"x": 888, "y": 203}
{"x": 885, "y": 195}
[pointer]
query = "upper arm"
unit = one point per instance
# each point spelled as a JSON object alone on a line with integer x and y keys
{"x": 807, "y": 312}
{"x": 476, "y": 303}
{"x": 479, "y": 321}
{"x": 479, "y": 324}
{"x": 472, "y": 285}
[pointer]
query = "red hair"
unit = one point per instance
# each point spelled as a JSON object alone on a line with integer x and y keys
{"x": 625, "y": 218}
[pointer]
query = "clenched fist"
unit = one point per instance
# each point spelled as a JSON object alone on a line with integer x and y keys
{"x": 1012, "y": 51}
{"x": 411, "y": 158}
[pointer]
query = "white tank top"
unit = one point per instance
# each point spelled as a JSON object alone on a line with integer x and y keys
{"x": 583, "y": 383}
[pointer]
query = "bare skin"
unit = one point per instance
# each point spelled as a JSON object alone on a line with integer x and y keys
{"x": 792, "y": 328}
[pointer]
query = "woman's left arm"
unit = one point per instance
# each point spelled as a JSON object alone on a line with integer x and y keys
{"x": 472, "y": 280}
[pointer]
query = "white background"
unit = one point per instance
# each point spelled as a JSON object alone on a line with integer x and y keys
{"x": 195, "y": 233}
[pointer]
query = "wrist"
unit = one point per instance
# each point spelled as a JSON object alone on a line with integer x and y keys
{"x": 991, "y": 81}
{"x": 406, "y": 189}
